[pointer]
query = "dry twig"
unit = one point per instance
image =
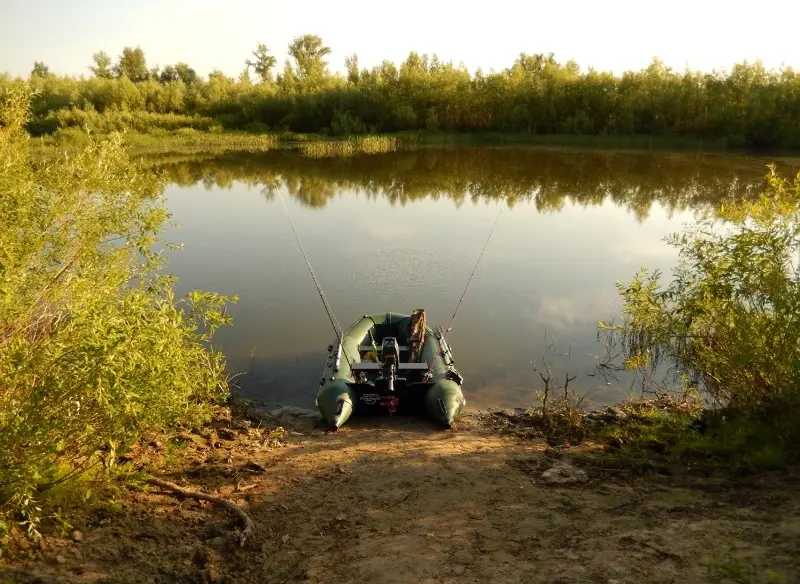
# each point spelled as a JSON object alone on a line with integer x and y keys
{"x": 244, "y": 516}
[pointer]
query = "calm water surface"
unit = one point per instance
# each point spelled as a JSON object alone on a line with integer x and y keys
{"x": 402, "y": 231}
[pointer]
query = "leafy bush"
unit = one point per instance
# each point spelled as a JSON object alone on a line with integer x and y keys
{"x": 729, "y": 318}
{"x": 344, "y": 123}
{"x": 123, "y": 120}
{"x": 95, "y": 350}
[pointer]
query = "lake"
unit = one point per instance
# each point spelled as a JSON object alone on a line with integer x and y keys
{"x": 399, "y": 231}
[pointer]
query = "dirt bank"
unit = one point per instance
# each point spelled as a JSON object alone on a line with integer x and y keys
{"x": 401, "y": 501}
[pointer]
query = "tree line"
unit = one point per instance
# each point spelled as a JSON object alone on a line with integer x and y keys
{"x": 749, "y": 106}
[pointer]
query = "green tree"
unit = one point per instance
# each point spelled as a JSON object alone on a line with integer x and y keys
{"x": 185, "y": 73}
{"x": 309, "y": 54}
{"x": 168, "y": 74}
{"x": 102, "y": 65}
{"x": 40, "y": 70}
{"x": 178, "y": 72}
{"x": 351, "y": 64}
{"x": 132, "y": 64}
{"x": 287, "y": 80}
{"x": 219, "y": 75}
{"x": 263, "y": 64}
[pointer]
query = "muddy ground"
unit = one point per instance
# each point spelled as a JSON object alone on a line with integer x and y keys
{"x": 385, "y": 501}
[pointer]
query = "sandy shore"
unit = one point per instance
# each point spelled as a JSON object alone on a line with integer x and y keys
{"x": 385, "y": 501}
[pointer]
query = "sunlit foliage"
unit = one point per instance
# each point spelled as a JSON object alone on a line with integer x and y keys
{"x": 95, "y": 350}
{"x": 132, "y": 64}
{"x": 40, "y": 70}
{"x": 102, "y": 65}
{"x": 728, "y": 317}
{"x": 749, "y": 106}
{"x": 263, "y": 64}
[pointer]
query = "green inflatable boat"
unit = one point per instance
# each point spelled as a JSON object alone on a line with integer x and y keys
{"x": 391, "y": 363}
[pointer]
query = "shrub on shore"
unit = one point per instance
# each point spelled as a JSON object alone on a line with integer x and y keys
{"x": 95, "y": 349}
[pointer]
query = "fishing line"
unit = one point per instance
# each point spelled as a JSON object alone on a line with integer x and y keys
{"x": 469, "y": 281}
{"x": 460, "y": 300}
{"x": 334, "y": 322}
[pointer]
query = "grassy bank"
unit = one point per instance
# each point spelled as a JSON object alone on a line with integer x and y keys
{"x": 670, "y": 431}
{"x": 216, "y": 141}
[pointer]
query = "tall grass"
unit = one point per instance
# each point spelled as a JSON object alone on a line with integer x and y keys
{"x": 113, "y": 120}
{"x": 349, "y": 147}
{"x": 188, "y": 141}
{"x": 161, "y": 142}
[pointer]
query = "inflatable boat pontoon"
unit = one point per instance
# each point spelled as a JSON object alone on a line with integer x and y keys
{"x": 391, "y": 363}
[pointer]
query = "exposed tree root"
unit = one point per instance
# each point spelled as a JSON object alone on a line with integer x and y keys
{"x": 244, "y": 516}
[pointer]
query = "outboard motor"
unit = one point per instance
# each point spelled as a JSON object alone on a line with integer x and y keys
{"x": 390, "y": 352}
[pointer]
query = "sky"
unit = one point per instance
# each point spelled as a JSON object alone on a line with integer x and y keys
{"x": 612, "y": 35}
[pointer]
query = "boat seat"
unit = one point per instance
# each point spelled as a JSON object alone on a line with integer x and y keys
{"x": 365, "y": 366}
{"x": 371, "y": 348}
{"x": 372, "y": 366}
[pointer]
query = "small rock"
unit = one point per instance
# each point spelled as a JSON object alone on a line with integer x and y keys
{"x": 61, "y": 559}
{"x": 339, "y": 469}
{"x": 341, "y": 517}
{"x": 218, "y": 541}
{"x": 563, "y": 473}
{"x": 77, "y": 536}
{"x": 285, "y": 538}
{"x": 459, "y": 569}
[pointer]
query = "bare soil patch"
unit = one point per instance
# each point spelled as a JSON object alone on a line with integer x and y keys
{"x": 400, "y": 501}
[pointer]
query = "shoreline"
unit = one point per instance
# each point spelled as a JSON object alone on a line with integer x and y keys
{"x": 187, "y": 140}
{"x": 482, "y": 502}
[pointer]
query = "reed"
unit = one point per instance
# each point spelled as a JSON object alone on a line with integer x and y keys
{"x": 349, "y": 147}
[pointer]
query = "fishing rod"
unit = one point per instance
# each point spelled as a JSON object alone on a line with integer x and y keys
{"x": 442, "y": 334}
{"x": 469, "y": 281}
{"x": 334, "y": 322}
